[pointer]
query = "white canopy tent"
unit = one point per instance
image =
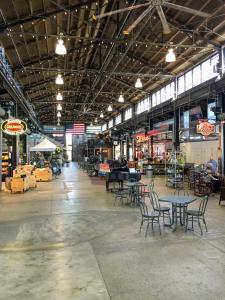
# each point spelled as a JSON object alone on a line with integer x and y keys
{"x": 44, "y": 146}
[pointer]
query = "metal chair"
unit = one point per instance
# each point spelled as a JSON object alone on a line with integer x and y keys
{"x": 164, "y": 211}
{"x": 150, "y": 217}
{"x": 150, "y": 188}
{"x": 197, "y": 215}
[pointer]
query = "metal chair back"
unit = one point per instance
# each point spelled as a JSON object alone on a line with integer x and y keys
{"x": 143, "y": 208}
{"x": 154, "y": 199}
{"x": 203, "y": 205}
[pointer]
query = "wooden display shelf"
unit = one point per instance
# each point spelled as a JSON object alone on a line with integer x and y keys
{"x": 43, "y": 174}
{"x": 19, "y": 184}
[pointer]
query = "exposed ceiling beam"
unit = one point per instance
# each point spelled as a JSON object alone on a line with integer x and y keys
{"x": 44, "y": 15}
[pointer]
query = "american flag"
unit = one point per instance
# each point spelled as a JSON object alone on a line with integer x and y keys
{"x": 77, "y": 128}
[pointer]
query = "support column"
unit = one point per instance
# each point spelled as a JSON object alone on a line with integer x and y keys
{"x": 0, "y": 160}
{"x": 151, "y": 137}
{"x": 221, "y": 147}
{"x": 15, "y": 151}
{"x": 176, "y": 128}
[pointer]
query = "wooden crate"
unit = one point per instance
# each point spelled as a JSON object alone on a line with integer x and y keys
{"x": 43, "y": 174}
{"x": 19, "y": 184}
{"x": 32, "y": 181}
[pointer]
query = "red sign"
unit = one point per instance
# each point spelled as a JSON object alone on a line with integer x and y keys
{"x": 205, "y": 128}
{"x": 14, "y": 126}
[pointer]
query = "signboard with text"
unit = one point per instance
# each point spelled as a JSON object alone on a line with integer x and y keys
{"x": 14, "y": 126}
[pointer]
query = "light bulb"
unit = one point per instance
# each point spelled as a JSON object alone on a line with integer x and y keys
{"x": 59, "y": 114}
{"x": 59, "y": 79}
{"x": 59, "y": 97}
{"x": 60, "y": 47}
{"x": 59, "y": 107}
{"x": 121, "y": 98}
{"x": 101, "y": 115}
{"x": 170, "y": 56}
{"x": 109, "y": 108}
{"x": 138, "y": 83}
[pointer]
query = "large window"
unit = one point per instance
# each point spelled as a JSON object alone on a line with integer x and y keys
{"x": 118, "y": 119}
{"x": 104, "y": 127}
{"x": 153, "y": 99}
{"x": 199, "y": 74}
{"x": 128, "y": 113}
{"x": 143, "y": 106}
{"x": 110, "y": 123}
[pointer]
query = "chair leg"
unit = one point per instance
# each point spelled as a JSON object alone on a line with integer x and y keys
{"x": 146, "y": 229}
{"x": 159, "y": 226}
{"x": 205, "y": 224}
{"x": 163, "y": 218}
{"x": 142, "y": 221}
{"x": 192, "y": 222}
{"x": 152, "y": 225}
{"x": 169, "y": 217}
{"x": 199, "y": 224}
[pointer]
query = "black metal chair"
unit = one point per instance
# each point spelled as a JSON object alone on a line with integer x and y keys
{"x": 150, "y": 188}
{"x": 164, "y": 211}
{"x": 197, "y": 215}
{"x": 150, "y": 217}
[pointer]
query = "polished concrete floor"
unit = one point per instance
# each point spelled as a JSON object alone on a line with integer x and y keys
{"x": 67, "y": 240}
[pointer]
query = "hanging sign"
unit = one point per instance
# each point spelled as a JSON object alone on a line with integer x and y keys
{"x": 205, "y": 128}
{"x": 14, "y": 126}
{"x": 142, "y": 138}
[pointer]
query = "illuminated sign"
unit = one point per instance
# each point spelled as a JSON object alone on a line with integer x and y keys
{"x": 142, "y": 138}
{"x": 206, "y": 128}
{"x": 14, "y": 126}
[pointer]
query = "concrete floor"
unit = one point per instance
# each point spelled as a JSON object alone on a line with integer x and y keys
{"x": 66, "y": 240}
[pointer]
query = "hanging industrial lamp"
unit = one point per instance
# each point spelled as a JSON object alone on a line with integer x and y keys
{"x": 58, "y": 114}
{"x": 96, "y": 120}
{"x": 60, "y": 48}
{"x": 59, "y": 97}
{"x": 59, "y": 79}
{"x": 109, "y": 108}
{"x": 59, "y": 107}
{"x": 138, "y": 83}
{"x": 101, "y": 115}
{"x": 121, "y": 98}
{"x": 170, "y": 56}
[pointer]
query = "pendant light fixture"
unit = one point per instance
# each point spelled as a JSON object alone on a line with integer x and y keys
{"x": 109, "y": 107}
{"x": 59, "y": 79}
{"x": 91, "y": 124}
{"x": 138, "y": 83}
{"x": 96, "y": 120}
{"x": 59, "y": 97}
{"x": 59, "y": 107}
{"x": 101, "y": 115}
{"x": 58, "y": 114}
{"x": 58, "y": 122}
{"x": 121, "y": 98}
{"x": 60, "y": 48}
{"x": 170, "y": 56}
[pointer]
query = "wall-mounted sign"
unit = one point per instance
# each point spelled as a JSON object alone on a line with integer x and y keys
{"x": 142, "y": 138}
{"x": 14, "y": 126}
{"x": 205, "y": 128}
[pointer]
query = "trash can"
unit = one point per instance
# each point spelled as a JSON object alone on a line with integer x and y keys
{"x": 149, "y": 171}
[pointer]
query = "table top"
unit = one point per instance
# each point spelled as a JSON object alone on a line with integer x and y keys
{"x": 177, "y": 199}
{"x": 131, "y": 184}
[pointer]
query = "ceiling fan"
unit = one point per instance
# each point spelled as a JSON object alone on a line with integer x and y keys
{"x": 150, "y": 5}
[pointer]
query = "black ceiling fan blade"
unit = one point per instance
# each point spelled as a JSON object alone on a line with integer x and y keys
{"x": 187, "y": 9}
{"x": 166, "y": 27}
